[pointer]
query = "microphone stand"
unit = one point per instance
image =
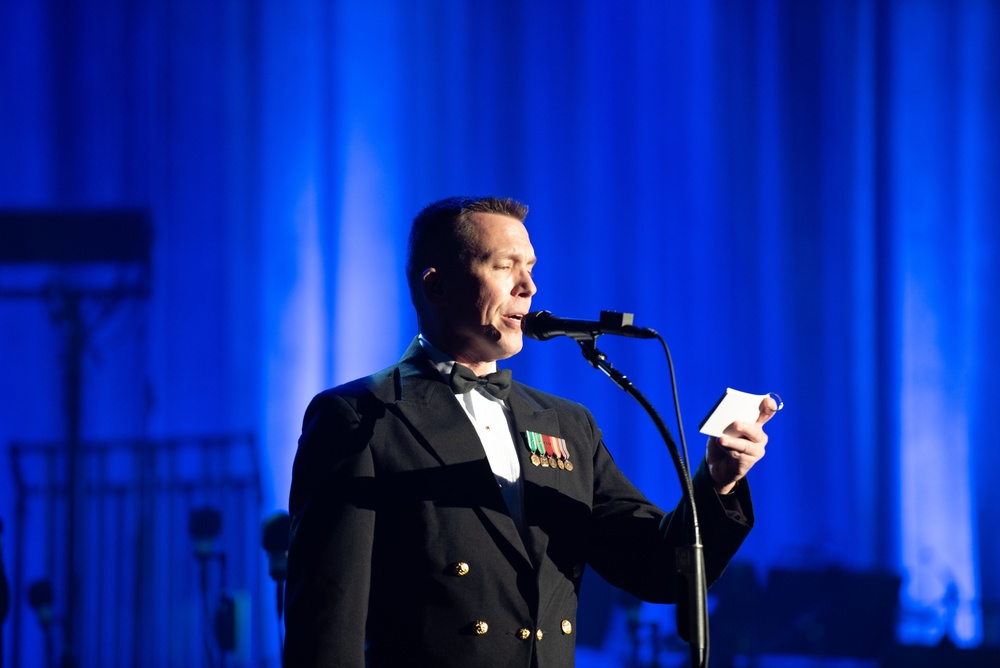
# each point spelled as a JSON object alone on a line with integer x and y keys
{"x": 692, "y": 605}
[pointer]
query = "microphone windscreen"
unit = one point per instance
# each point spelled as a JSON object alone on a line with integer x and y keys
{"x": 275, "y": 532}
{"x": 40, "y": 595}
{"x": 532, "y": 325}
{"x": 204, "y": 523}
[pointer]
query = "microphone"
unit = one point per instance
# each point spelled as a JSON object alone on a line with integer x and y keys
{"x": 274, "y": 535}
{"x": 40, "y": 599}
{"x": 542, "y": 326}
{"x": 275, "y": 532}
{"x": 204, "y": 526}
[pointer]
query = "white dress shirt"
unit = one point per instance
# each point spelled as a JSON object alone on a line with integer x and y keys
{"x": 495, "y": 425}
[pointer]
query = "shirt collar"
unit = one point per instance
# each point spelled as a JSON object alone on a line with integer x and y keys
{"x": 439, "y": 359}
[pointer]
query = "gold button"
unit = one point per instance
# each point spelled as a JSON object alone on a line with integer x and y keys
{"x": 481, "y": 627}
{"x": 461, "y": 568}
{"x": 539, "y": 634}
{"x": 523, "y": 634}
{"x": 567, "y": 628}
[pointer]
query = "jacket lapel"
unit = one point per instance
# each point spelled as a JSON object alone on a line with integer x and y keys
{"x": 429, "y": 406}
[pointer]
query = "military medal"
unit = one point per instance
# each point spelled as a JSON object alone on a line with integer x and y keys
{"x": 540, "y": 449}
{"x": 557, "y": 451}
{"x": 565, "y": 453}
{"x": 533, "y": 439}
{"x": 550, "y": 450}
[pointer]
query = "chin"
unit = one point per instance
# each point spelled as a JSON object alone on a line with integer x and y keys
{"x": 510, "y": 348}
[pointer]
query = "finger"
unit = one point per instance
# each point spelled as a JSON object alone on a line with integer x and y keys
{"x": 743, "y": 453}
{"x": 768, "y": 407}
{"x": 742, "y": 444}
{"x": 715, "y": 448}
{"x": 753, "y": 431}
{"x": 750, "y": 439}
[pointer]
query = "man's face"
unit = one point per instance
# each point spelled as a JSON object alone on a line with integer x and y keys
{"x": 485, "y": 302}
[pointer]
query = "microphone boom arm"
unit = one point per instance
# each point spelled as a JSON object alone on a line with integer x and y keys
{"x": 692, "y": 599}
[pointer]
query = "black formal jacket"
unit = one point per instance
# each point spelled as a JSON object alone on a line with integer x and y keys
{"x": 402, "y": 541}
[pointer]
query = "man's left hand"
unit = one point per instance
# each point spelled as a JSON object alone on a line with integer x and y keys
{"x": 742, "y": 444}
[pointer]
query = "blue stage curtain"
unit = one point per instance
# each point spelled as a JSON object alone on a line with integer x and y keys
{"x": 802, "y": 197}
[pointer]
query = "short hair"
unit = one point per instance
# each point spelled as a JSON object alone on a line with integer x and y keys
{"x": 442, "y": 234}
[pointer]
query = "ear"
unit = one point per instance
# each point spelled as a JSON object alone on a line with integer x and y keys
{"x": 433, "y": 286}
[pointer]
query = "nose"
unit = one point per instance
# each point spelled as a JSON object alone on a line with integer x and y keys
{"x": 525, "y": 287}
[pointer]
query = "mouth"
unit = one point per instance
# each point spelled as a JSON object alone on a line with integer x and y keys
{"x": 514, "y": 319}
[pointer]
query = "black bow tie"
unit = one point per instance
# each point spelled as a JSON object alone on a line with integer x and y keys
{"x": 463, "y": 379}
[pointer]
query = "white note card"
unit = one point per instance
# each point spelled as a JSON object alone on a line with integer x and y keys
{"x": 734, "y": 405}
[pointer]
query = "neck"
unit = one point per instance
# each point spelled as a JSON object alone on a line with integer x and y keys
{"x": 478, "y": 366}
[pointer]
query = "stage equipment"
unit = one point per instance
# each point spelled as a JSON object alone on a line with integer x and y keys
{"x": 138, "y": 497}
{"x": 204, "y": 527}
{"x": 72, "y": 261}
{"x": 275, "y": 533}
{"x": 40, "y": 599}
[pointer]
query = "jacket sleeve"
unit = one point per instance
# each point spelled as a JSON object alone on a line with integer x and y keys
{"x": 332, "y": 528}
{"x": 633, "y": 543}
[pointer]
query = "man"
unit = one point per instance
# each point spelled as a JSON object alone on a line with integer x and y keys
{"x": 450, "y": 527}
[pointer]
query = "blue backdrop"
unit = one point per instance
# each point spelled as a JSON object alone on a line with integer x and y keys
{"x": 802, "y": 197}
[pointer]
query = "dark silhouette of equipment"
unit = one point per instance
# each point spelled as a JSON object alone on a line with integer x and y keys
{"x": 204, "y": 527}
{"x": 274, "y": 539}
{"x": 77, "y": 241}
{"x": 41, "y": 600}
{"x": 831, "y": 612}
{"x": 275, "y": 533}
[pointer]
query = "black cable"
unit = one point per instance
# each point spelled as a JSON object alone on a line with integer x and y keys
{"x": 677, "y": 403}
